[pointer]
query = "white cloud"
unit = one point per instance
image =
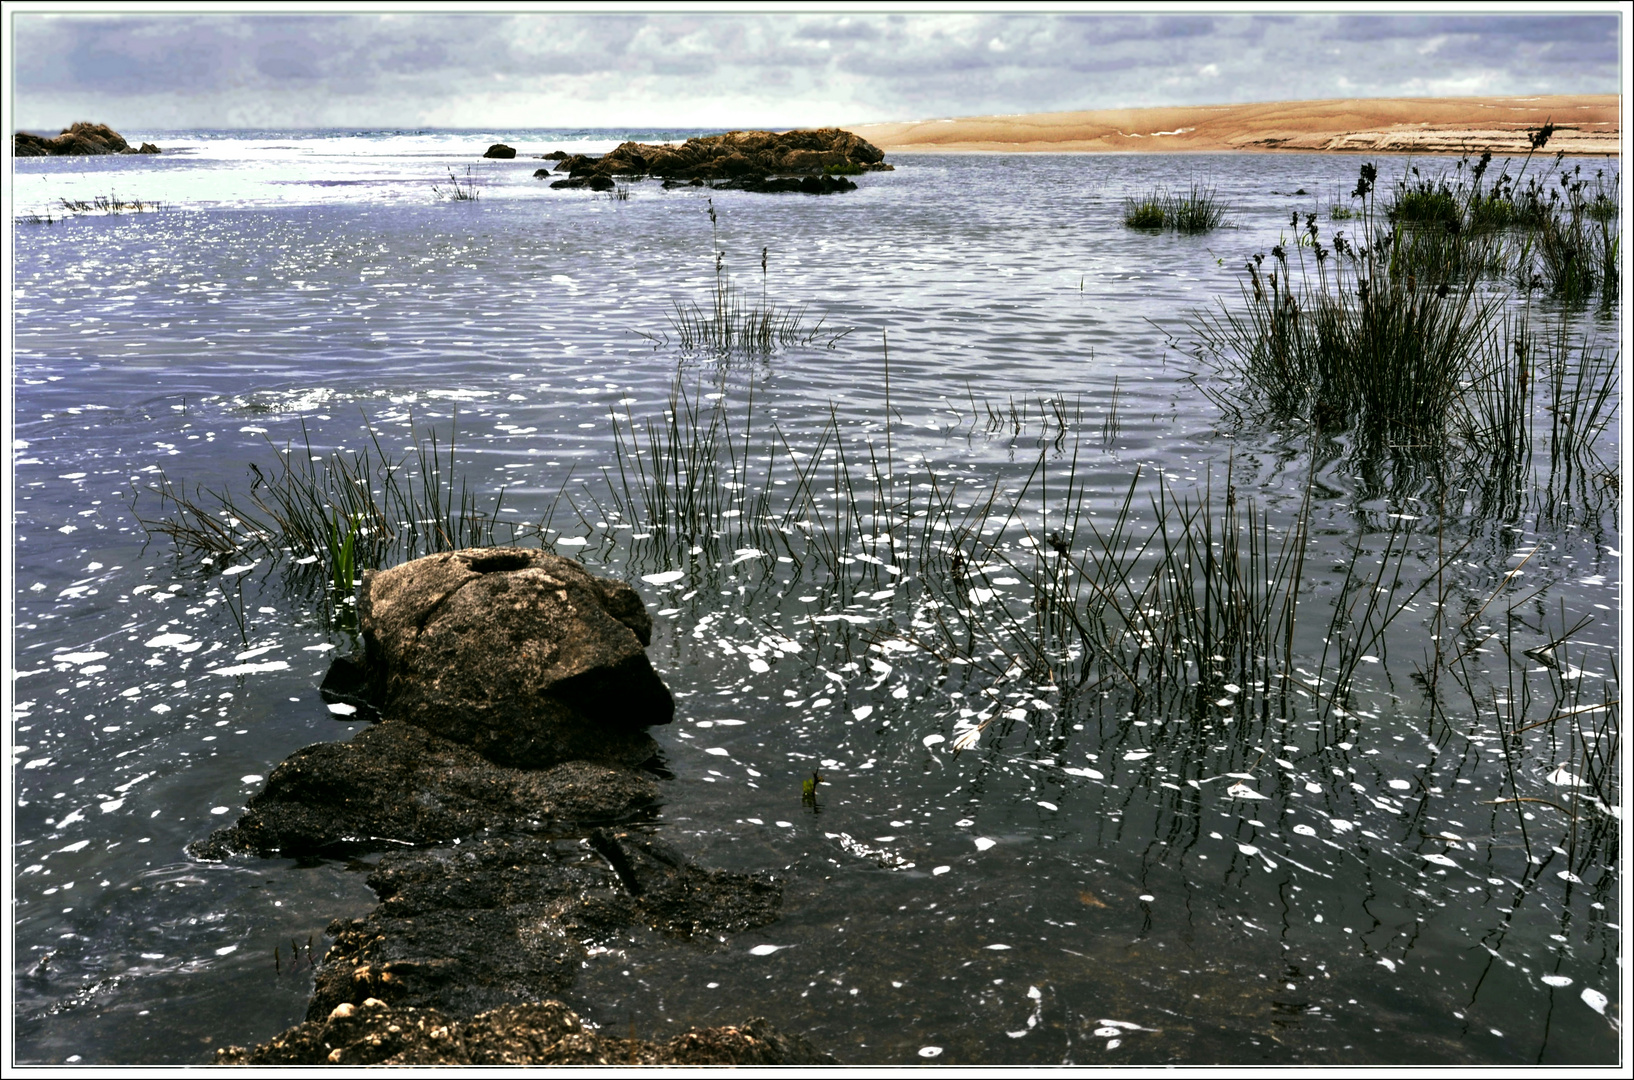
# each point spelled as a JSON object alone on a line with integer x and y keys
{"x": 714, "y": 69}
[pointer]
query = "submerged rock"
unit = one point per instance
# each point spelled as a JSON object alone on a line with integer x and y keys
{"x": 500, "y": 150}
{"x": 82, "y": 138}
{"x": 597, "y": 182}
{"x": 738, "y": 154}
{"x": 522, "y": 655}
{"x": 806, "y": 185}
{"x": 535, "y": 1033}
{"x": 504, "y": 921}
{"x": 396, "y": 784}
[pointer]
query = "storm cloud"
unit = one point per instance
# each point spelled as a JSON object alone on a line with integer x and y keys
{"x": 705, "y": 70}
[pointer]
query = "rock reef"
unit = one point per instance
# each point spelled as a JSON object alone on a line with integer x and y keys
{"x": 747, "y": 160}
{"x": 82, "y": 138}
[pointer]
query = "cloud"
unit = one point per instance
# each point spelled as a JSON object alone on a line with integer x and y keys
{"x": 685, "y": 69}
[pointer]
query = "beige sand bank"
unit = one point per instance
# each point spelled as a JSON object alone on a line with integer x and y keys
{"x": 1584, "y": 124}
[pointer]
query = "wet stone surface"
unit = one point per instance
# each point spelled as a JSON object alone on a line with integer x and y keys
{"x": 541, "y": 1033}
{"x": 500, "y": 921}
{"x": 520, "y": 654}
{"x": 396, "y": 784}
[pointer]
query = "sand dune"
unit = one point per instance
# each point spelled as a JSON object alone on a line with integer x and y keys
{"x": 1584, "y": 124}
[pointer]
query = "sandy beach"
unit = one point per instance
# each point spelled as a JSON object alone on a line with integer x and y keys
{"x": 1584, "y": 124}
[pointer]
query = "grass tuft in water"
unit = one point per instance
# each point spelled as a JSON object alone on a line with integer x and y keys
{"x": 348, "y": 511}
{"x": 1195, "y": 210}
{"x": 457, "y": 190}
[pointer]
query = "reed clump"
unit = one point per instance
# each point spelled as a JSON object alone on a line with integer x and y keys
{"x": 1397, "y": 336}
{"x": 108, "y": 204}
{"x": 1195, "y": 210}
{"x": 457, "y": 190}
{"x": 726, "y": 326}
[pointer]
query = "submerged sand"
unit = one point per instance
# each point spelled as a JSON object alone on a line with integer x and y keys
{"x": 1584, "y": 124}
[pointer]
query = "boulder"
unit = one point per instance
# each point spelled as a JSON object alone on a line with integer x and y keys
{"x": 534, "y": 1033}
{"x": 396, "y": 784}
{"x": 500, "y": 150}
{"x": 554, "y": 155}
{"x": 540, "y": 174}
{"x": 521, "y": 655}
{"x": 500, "y": 921}
{"x": 146, "y": 148}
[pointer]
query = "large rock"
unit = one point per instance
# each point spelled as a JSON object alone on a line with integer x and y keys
{"x": 535, "y": 1033}
{"x": 476, "y": 926}
{"x": 500, "y": 150}
{"x": 522, "y": 655}
{"x": 396, "y": 784}
{"x": 737, "y": 154}
{"x": 82, "y": 138}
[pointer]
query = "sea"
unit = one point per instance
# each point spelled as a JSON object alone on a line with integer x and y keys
{"x": 1005, "y": 863}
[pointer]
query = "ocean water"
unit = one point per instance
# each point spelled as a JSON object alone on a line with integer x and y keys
{"x": 1081, "y": 882}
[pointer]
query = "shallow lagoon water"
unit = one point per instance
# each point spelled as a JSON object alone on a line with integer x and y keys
{"x": 1081, "y": 886}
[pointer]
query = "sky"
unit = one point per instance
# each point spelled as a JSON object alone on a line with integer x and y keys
{"x": 738, "y": 68}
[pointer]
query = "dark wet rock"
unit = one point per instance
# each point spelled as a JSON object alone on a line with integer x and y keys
{"x": 500, "y": 150}
{"x": 82, "y": 138}
{"x": 805, "y": 185}
{"x": 347, "y": 683}
{"x": 738, "y": 154}
{"x": 520, "y": 654}
{"x": 554, "y": 155}
{"x": 534, "y": 1033}
{"x": 396, "y": 784}
{"x": 594, "y": 183}
{"x": 540, "y": 174}
{"x": 694, "y": 182}
{"x": 679, "y": 898}
{"x": 472, "y": 927}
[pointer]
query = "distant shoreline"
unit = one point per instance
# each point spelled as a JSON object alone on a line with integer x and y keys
{"x": 1584, "y": 124}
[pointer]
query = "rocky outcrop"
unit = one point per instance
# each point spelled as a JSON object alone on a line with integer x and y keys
{"x": 536, "y": 1033}
{"x": 82, "y": 138}
{"x": 521, "y": 655}
{"x": 736, "y": 155}
{"x": 396, "y": 784}
{"x": 472, "y": 927}
{"x": 500, "y": 150}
